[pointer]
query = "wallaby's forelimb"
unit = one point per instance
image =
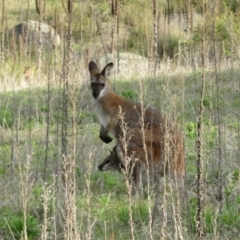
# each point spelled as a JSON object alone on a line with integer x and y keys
{"x": 104, "y": 135}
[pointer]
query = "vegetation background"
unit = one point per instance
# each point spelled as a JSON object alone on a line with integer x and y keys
{"x": 180, "y": 56}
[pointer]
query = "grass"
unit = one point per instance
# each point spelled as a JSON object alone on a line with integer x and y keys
{"x": 34, "y": 206}
{"x": 16, "y": 225}
{"x": 23, "y": 119}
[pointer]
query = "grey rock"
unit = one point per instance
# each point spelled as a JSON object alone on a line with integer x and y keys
{"x": 29, "y": 33}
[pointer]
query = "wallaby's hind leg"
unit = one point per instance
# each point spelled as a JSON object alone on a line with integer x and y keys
{"x": 136, "y": 178}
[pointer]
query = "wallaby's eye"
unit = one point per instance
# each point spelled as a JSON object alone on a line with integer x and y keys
{"x": 102, "y": 84}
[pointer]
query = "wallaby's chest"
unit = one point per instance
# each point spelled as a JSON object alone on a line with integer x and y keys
{"x": 103, "y": 117}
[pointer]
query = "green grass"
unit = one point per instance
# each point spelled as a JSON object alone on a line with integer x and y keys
{"x": 102, "y": 206}
{"x": 12, "y": 223}
{"x": 109, "y": 207}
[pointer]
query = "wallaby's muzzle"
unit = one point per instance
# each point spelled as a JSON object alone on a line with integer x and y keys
{"x": 107, "y": 165}
{"x": 95, "y": 94}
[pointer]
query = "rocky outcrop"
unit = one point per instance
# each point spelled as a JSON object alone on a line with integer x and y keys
{"x": 31, "y": 32}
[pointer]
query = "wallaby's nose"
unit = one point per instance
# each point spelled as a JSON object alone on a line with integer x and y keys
{"x": 100, "y": 167}
{"x": 95, "y": 94}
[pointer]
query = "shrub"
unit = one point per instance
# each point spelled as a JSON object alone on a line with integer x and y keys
{"x": 15, "y": 226}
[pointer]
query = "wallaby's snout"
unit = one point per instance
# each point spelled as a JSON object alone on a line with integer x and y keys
{"x": 97, "y": 87}
{"x": 112, "y": 162}
{"x": 100, "y": 167}
{"x": 95, "y": 93}
{"x": 104, "y": 166}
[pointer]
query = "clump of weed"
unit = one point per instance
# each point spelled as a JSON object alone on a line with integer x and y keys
{"x": 130, "y": 95}
{"x": 208, "y": 215}
{"x": 191, "y": 129}
{"x": 230, "y": 218}
{"x": 139, "y": 211}
{"x": 13, "y": 225}
{"x": 6, "y": 117}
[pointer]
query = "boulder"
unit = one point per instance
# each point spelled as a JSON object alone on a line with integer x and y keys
{"x": 28, "y": 33}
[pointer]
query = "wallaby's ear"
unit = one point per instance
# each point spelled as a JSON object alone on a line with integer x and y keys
{"x": 110, "y": 152}
{"x": 91, "y": 66}
{"x": 106, "y": 72}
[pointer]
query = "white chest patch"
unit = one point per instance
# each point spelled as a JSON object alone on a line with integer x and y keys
{"x": 102, "y": 117}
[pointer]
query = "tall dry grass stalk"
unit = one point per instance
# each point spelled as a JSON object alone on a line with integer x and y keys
{"x": 24, "y": 172}
{"x": 175, "y": 197}
{"x": 87, "y": 221}
{"x": 95, "y": 18}
{"x": 130, "y": 187}
{"x": 50, "y": 78}
{"x": 155, "y": 38}
{"x": 69, "y": 200}
{"x": 49, "y": 224}
{"x": 220, "y": 146}
{"x": 2, "y": 43}
{"x": 12, "y": 235}
{"x": 69, "y": 134}
{"x": 199, "y": 141}
{"x": 40, "y": 8}
{"x": 149, "y": 198}
{"x": 115, "y": 34}
{"x": 168, "y": 202}
{"x": 238, "y": 134}
{"x": 163, "y": 200}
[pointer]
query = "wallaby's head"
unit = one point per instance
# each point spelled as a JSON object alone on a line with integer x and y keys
{"x": 112, "y": 162}
{"x": 99, "y": 79}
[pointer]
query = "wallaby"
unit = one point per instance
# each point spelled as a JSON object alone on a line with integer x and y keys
{"x": 164, "y": 154}
{"x": 164, "y": 143}
{"x": 109, "y": 104}
{"x": 132, "y": 169}
{"x": 112, "y": 162}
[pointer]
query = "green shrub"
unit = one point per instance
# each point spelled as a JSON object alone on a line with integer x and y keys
{"x": 191, "y": 129}
{"x": 206, "y": 102}
{"x": 123, "y": 215}
{"x": 208, "y": 216}
{"x": 14, "y": 225}
{"x": 6, "y": 117}
{"x": 225, "y": 33}
{"x": 139, "y": 213}
{"x": 129, "y": 94}
{"x": 230, "y": 218}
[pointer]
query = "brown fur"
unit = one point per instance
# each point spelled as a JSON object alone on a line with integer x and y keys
{"x": 108, "y": 105}
{"x": 164, "y": 143}
{"x": 164, "y": 155}
{"x": 111, "y": 162}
